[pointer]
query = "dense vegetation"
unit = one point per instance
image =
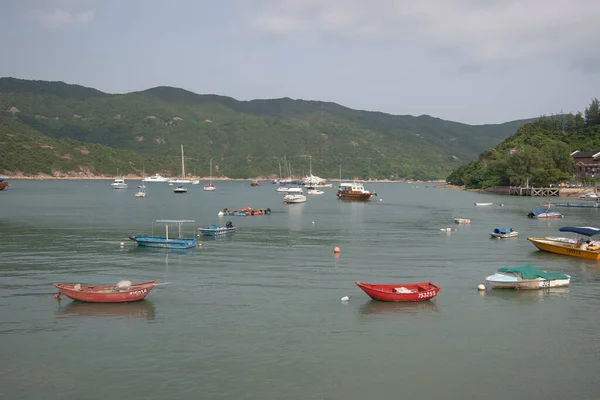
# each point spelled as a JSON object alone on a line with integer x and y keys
{"x": 51, "y": 127}
{"x": 538, "y": 153}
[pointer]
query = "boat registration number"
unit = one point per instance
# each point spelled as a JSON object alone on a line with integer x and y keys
{"x": 136, "y": 292}
{"x": 424, "y": 295}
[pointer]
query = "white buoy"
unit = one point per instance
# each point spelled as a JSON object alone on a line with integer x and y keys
{"x": 380, "y": 199}
{"x": 481, "y": 286}
{"x": 221, "y": 213}
{"x": 313, "y": 222}
{"x": 121, "y": 244}
{"x": 345, "y": 298}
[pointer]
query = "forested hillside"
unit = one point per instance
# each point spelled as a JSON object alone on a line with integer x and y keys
{"x": 144, "y": 130}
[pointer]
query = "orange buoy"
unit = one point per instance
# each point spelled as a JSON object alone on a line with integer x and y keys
{"x": 336, "y": 249}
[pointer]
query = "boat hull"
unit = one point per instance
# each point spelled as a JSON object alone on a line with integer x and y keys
{"x": 219, "y": 231}
{"x": 564, "y": 248}
{"x": 3, "y": 185}
{"x": 106, "y": 294}
{"x": 504, "y": 235}
{"x": 407, "y": 292}
{"x": 164, "y": 243}
{"x": 505, "y": 281}
{"x": 355, "y": 196}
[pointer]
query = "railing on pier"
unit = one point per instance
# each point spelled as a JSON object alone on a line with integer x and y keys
{"x": 534, "y": 192}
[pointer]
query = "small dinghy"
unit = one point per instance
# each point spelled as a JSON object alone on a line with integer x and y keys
{"x": 504, "y": 233}
{"x": 400, "y": 291}
{"x": 122, "y": 292}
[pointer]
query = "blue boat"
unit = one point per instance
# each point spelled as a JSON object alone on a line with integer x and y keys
{"x": 504, "y": 233}
{"x": 217, "y": 230}
{"x": 168, "y": 242}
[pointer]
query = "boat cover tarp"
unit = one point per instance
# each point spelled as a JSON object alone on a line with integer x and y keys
{"x": 582, "y": 230}
{"x": 503, "y": 231}
{"x": 529, "y": 272}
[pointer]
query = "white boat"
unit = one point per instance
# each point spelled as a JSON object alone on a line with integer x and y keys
{"x": 462, "y": 220}
{"x": 155, "y": 178}
{"x": 294, "y": 195}
{"x": 119, "y": 183}
{"x": 312, "y": 190}
{"x": 182, "y": 179}
{"x": 141, "y": 191}
{"x": 310, "y": 180}
{"x": 282, "y": 189}
{"x": 589, "y": 196}
{"x": 209, "y": 187}
{"x": 526, "y": 277}
{"x": 484, "y": 204}
{"x": 504, "y": 233}
{"x": 180, "y": 189}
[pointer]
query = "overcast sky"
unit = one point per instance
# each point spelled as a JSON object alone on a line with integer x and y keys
{"x": 473, "y": 61}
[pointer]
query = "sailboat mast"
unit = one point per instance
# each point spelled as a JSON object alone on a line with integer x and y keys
{"x": 211, "y": 170}
{"x": 182, "y": 164}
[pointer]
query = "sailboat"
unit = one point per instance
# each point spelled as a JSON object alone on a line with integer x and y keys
{"x": 182, "y": 180}
{"x": 209, "y": 187}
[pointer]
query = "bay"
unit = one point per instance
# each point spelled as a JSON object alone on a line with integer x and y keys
{"x": 258, "y": 315}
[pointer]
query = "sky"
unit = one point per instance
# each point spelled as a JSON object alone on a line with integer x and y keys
{"x": 471, "y": 61}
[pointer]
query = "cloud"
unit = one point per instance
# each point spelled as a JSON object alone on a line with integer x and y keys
{"x": 60, "y": 18}
{"x": 481, "y": 30}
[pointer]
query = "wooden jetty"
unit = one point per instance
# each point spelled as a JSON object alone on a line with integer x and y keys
{"x": 534, "y": 192}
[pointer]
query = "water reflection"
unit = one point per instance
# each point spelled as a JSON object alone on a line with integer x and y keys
{"x": 374, "y": 307}
{"x": 525, "y": 295}
{"x": 143, "y": 310}
{"x": 156, "y": 250}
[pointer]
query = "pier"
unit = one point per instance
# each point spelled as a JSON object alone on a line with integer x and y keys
{"x": 534, "y": 192}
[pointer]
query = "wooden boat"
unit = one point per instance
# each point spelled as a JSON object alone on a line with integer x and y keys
{"x": 504, "y": 233}
{"x": 545, "y": 213}
{"x": 526, "y": 277}
{"x": 123, "y": 292}
{"x": 462, "y": 220}
{"x": 400, "y": 291}
{"x": 167, "y": 242}
{"x": 3, "y": 183}
{"x": 581, "y": 248}
{"x": 484, "y": 204}
{"x": 354, "y": 191}
{"x": 217, "y": 230}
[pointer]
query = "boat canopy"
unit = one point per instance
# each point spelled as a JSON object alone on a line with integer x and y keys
{"x": 582, "y": 230}
{"x": 503, "y": 231}
{"x": 529, "y": 272}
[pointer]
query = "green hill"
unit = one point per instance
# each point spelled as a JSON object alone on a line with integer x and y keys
{"x": 538, "y": 153}
{"x": 144, "y": 130}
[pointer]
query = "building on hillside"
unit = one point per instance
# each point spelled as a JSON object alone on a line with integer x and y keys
{"x": 587, "y": 163}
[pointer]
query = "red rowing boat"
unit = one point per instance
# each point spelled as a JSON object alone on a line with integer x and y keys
{"x": 400, "y": 291}
{"x": 119, "y": 293}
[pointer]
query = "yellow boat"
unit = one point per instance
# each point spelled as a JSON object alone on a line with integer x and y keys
{"x": 575, "y": 248}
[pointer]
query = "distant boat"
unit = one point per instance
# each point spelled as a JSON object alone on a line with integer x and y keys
{"x": 182, "y": 179}
{"x": 217, "y": 230}
{"x": 313, "y": 191}
{"x": 354, "y": 191}
{"x": 545, "y": 213}
{"x": 400, "y": 291}
{"x": 180, "y": 189}
{"x": 166, "y": 241}
{"x": 526, "y": 277}
{"x": 254, "y": 183}
{"x": 141, "y": 191}
{"x": 209, "y": 187}
{"x": 484, "y": 204}
{"x": 3, "y": 183}
{"x": 119, "y": 183}
{"x": 294, "y": 195}
{"x": 462, "y": 220}
{"x": 504, "y": 233}
{"x": 122, "y": 292}
{"x": 156, "y": 178}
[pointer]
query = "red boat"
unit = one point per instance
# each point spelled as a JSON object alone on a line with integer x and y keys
{"x": 118, "y": 293}
{"x": 400, "y": 291}
{"x": 3, "y": 183}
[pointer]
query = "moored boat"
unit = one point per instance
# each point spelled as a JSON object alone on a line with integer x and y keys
{"x": 119, "y": 183}
{"x": 581, "y": 248}
{"x": 526, "y": 277}
{"x": 313, "y": 190}
{"x": 156, "y": 178}
{"x": 3, "y": 183}
{"x": 254, "y": 183}
{"x": 245, "y": 212}
{"x": 545, "y": 213}
{"x": 400, "y": 291}
{"x": 294, "y": 195}
{"x": 217, "y": 230}
{"x": 180, "y": 189}
{"x": 484, "y": 204}
{"x": 462, "y": 220}
{"x": 141, "y": 191}
{"x": 504, "y": 233}
{"x": 166, "y": 241}
{"x": 354, "y": 191}
{"x": 122, "y": 292}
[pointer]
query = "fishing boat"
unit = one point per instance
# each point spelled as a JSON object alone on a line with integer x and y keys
{"x": 141, "y": 191}
{"x": 182, "y": 179}
{"x": 483, "y": 204}
{"x": 122, "y": 292}
{"x": 209, "y": 187}
{"x": 3, "y": 183}
{"x": 217, "y": 230}
{"x": 294, "y": 195}
{"x": 504, "y": 233}
{"x": 180, "y": 189}
{"x": 166, "y": 241}
{"x": 354, "y": 191}
{"x": 119, "y": 183}
{"x": 580, "y": 247}
{"x": 526, "y": 277}
{"x": 156, "y": 178}
{"x": 400, "y": 292}
{"x": 545, "y": 213}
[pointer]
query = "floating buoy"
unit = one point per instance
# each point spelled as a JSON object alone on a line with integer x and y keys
{"x": 345, "y": 298}
{"x": 481, "y": 286}
{"x": 57, "y": 296}
{"x": 313, "y": 222}
{"x": 122, "y": 244}
{"x": 336, "y": 249}
{"x": 380, "y": 199}
{"x": 221, "y": 213}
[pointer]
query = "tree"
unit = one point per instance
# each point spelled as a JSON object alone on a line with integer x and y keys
{"x": 592, "y": 113}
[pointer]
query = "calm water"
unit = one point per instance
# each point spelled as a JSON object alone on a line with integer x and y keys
{"x": 259, "y": 316}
